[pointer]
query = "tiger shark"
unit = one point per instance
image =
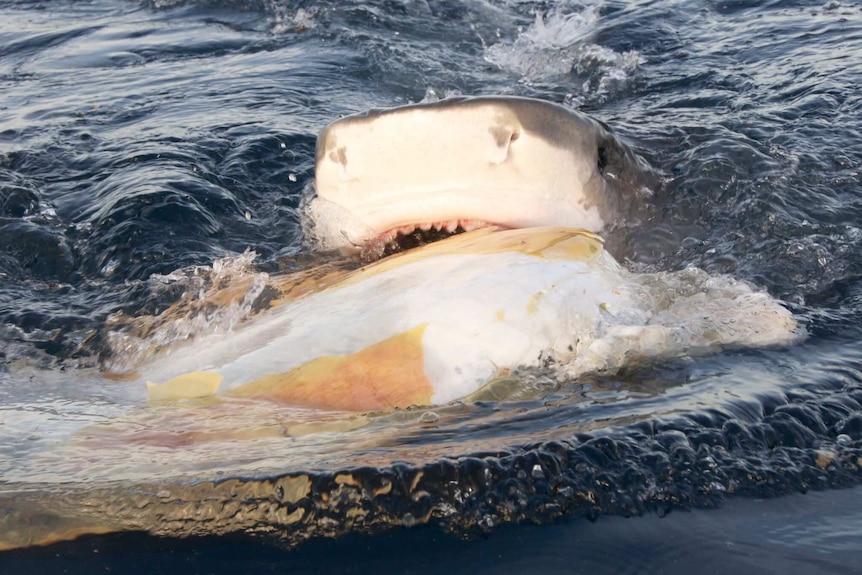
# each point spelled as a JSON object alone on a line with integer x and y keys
{"x": 482, "y": 220}
{"x": 468, "y": 163}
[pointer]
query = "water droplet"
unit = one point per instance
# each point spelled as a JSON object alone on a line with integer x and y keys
{"x": 429, "y": 417}
{"x": 109, "y": 268}
{"x": 718, "y": 487}
{"x": 537, "y": 472}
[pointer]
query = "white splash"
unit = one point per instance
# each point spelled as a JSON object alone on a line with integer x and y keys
{"x": 559, "y": 44}
{"x": 285, "y": 22}
{"x": 684, "y": 313}
{"x": 202, "y": 309}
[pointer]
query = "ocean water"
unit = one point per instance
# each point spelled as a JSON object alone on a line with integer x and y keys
{"x": 154, "y": 149}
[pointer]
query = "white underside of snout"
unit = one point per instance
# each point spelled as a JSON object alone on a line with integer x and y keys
{"x": 423, "y": 165}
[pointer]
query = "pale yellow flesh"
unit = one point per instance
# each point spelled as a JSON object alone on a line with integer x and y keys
{"x": 550, "y": 243}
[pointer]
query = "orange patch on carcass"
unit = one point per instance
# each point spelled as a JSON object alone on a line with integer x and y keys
{"x": 388, "y": 374}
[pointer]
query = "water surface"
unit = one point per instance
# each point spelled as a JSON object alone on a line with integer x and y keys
{"x": 140, "y": 142}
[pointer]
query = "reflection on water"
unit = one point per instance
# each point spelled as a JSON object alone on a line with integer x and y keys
{"x": 812, "y": 533}
{"x": 91, "y": 436}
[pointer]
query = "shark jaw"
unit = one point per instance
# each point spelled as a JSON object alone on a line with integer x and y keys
{"x": 413, "y": 236}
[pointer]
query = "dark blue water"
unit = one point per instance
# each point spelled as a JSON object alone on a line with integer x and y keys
{"x": 142, "y": 141}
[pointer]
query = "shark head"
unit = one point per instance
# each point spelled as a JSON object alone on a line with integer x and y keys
{"x": 428, "y": 170}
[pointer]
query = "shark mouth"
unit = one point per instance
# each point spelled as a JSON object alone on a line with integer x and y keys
{"x": 407, "y": 237}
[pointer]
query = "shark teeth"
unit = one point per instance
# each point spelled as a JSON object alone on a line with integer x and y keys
{"x": 407, "y": 237}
